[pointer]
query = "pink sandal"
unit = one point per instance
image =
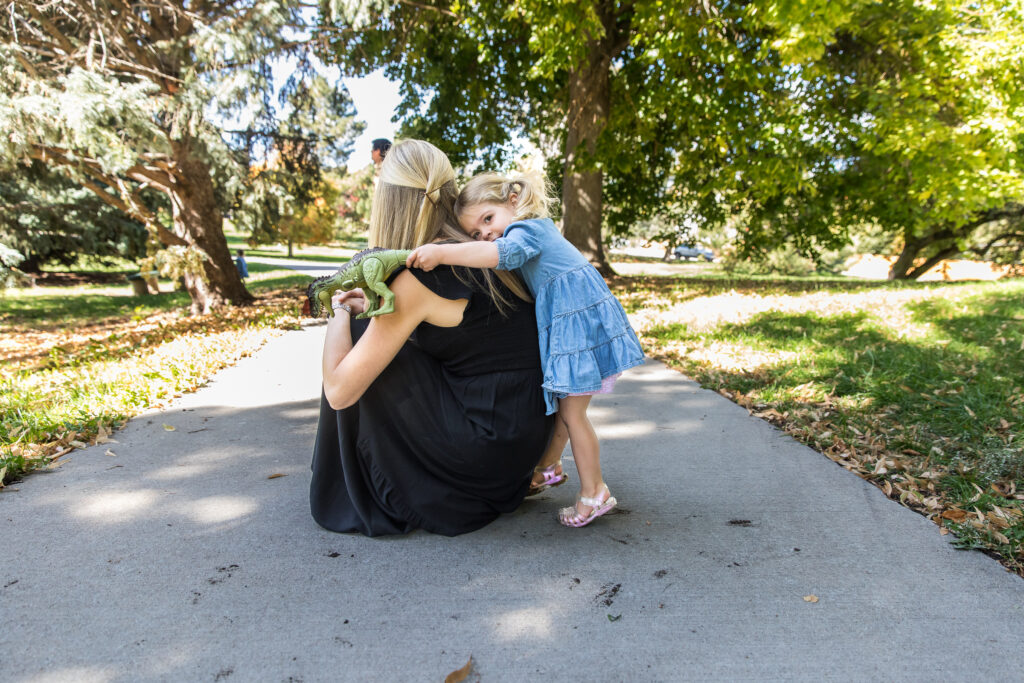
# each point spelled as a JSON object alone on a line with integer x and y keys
{"x": 571, "y": 516}
{"x": 550, "y": 478}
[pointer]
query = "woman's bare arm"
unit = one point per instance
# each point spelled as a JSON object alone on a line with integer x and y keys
{"x": 349, "y": 369}
{"x": 469, "y": 254}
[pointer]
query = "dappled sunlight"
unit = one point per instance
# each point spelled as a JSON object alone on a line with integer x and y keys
{"x": 78, "y": 674}
{"x": 624, "y": 430}
{"x": 530, "y": 622}
{"x": 218, "y": 509}
{"x": 182, "y": 471}
{"x": 116, "y": 506}
{"x": 705, "y": 313}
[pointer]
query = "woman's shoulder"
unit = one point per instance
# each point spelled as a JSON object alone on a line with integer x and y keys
{"x": 449, "y": 282}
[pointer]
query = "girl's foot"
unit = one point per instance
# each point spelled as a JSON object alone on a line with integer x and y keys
{"x": 587, "y": 509}
{"x": 546, "y": 477}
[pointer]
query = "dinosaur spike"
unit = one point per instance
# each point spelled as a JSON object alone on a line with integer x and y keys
{"x": 352, "y": 274}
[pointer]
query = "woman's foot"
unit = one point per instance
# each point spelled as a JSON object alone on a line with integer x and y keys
{"x": 546, "y": 477}
{"x": 587, "y": 508}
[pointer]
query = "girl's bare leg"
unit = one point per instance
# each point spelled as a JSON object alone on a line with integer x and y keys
{"x": 553, "y": 453}
{"x": 586, "y": 449}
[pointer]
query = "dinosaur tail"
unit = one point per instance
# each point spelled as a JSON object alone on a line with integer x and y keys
{"x": 313, "y": 293}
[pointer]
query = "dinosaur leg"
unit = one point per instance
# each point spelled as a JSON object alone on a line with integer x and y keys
{"x": 372, "y": 302}
{"x": 389, "y": 298}
{"x": 373, "y": 276}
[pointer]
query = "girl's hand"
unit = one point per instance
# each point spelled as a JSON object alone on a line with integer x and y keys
{"x": 354, "y": 298}
{"x": 426, "y": 257}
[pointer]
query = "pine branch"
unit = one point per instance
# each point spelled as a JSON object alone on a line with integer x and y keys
{"x": 48, "y": 25}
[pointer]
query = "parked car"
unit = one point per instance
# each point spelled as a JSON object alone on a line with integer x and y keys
{"x": 690, "y": 251}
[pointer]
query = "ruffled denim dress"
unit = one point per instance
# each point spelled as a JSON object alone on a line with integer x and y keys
{"x": 584, "y": 333}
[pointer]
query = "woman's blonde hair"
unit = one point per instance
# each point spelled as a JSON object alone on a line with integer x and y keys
{"x": 530, "y": 188}
{"x": 414, "y": 203}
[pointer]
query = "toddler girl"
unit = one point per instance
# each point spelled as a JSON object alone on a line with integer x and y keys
{"x": 586, "y": 341}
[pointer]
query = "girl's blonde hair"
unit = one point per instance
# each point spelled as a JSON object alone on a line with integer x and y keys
{"x": 414, "y": 203}
{"x": 531, "y": 189}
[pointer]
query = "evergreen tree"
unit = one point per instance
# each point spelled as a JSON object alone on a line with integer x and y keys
{"x": 125, "y": 95}
{"x": 44, "y": 217}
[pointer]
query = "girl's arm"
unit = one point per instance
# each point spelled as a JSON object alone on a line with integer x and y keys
{"x": 468, "y": 254}
{"x": 349, "y": 369}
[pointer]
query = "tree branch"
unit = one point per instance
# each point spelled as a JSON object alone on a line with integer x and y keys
{"x": 942, "y": 255}
{"x": 439, "y": 10}
{"x": 50, "y": 27}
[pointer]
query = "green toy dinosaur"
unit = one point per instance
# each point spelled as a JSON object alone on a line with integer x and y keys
{"x": 368, "y": 269}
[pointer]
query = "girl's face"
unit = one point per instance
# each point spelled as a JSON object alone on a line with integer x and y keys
{"x": 487, "y": 222}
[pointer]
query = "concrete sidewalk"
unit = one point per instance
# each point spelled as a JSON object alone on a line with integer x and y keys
{"x": 180, "y": 559}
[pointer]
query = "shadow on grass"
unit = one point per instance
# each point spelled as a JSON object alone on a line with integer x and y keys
{"x": 64, "y": 310}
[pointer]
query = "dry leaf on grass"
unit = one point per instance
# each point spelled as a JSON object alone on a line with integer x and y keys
{"x": 459, "y": 675}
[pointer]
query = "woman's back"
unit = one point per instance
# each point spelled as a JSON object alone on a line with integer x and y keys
{"x": 487, "y": 338}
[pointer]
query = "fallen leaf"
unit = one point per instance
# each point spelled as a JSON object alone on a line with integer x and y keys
{"x": 969, "y": 411}
{"x": 101, "y": 435}
{"x": 943, "y": 531}
{"x": 111, "y": 453}
{"x": 276, "y": 475}
{"x": 459, "y": 675}
{"x": 168, "y": 428}
{"x": 810, "y": 598}
{"x": 999, "y": 537}
{"x": 615, "y": 618}
{"x": 955, "y": 515}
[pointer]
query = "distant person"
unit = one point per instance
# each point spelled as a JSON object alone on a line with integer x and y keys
{"x": 586, "y": 340}
{"x": 378, "y": 150}
{"x": 243, "y": 268}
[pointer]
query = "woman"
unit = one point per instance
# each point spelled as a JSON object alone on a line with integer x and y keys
{"x": 431, "y": 416}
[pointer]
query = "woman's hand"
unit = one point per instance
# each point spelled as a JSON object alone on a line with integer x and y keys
{"x": 354, "y": 298}
{"x": 426, "y": 257}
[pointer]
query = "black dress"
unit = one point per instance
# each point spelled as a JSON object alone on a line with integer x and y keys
{"x": 446, "y": 438}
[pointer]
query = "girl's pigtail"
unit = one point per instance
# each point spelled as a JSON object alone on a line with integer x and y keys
{"x": 534, "y": 194}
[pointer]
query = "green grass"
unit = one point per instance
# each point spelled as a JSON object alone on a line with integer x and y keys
{"x": 85, "y": 359}
{"x": 313, "y": 258}
{"x": 90, "y": 303}
{"x": 918, "y": 388}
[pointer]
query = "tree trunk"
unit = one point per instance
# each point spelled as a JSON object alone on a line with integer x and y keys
{"x": 903, "y": 267}
{"x": 589, "y": 104}
{"x": 198, "y": 220}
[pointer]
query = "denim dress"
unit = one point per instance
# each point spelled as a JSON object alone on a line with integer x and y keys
{"x": 584, "y": 333}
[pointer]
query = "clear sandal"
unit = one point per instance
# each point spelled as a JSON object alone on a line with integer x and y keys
{"x": 550, "y": 478}
{"x": 571, "y": 516}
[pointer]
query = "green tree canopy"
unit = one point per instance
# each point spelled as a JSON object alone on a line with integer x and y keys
{"x": 911, "y": 122}
{"x": 794, "y": 121}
